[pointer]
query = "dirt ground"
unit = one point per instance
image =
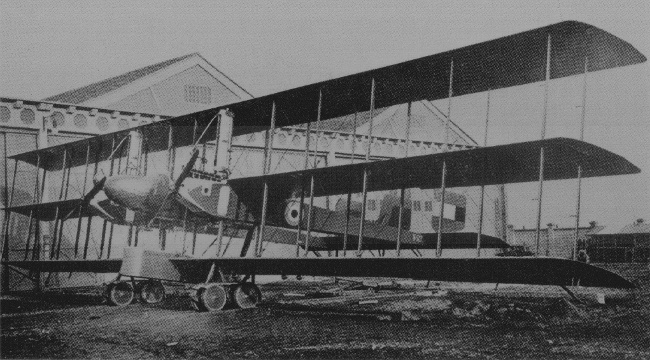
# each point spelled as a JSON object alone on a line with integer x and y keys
{"x": 299, "y": 320}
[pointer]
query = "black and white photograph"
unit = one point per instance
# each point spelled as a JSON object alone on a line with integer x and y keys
{"x": 324, "y": 180}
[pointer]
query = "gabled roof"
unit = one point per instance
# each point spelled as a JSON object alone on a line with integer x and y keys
{"x": 100, "y": 88}
{"x": 636, "y": 228}
{"x": 97, "y": 89}
{"x": 427, "y": 124}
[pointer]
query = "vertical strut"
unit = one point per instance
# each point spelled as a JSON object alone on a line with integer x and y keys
{"x": 400, "y": 218}
{"x": 364, "y": 194}
{"x": 346, "y": 234}
{"x": 302, "y": 189}
{"x": 56, "y": 214}
{"x": 445, "y": 148}
{"x": 87, "y": 241}
{"x": 40, "y": 195}
{"x": 63, "y": 219}
{"x": 310, "y": 213}
{"x": 171, "y": 152}
{"x": 110, "y": 172}
{"x": 268, "y": 149}
{"x": 6, "y": 198}
{"x": 110, "y": 240}
{"x": 8, "y": 201}
{"x": 582, "y": 136}
{"x": 451, "y": 94}
{"x": 80, "y": 208}
{"x": 541, "y": 150}
{"x": 193, "y": 237}
{"x": 480, "y": 216}
{"x": 35, "y": 200}
{"x": 220, "y": 237}
{"x": 442, "y": 208}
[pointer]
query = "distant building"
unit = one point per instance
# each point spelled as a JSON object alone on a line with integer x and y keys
{"x": 630, "y": 245}
{"x": 553, "y": 241}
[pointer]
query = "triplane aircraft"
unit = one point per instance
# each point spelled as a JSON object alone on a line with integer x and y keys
{"x": 284, "y": 202}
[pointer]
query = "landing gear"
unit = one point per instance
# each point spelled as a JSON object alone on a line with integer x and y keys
{"x": 120, "y": 293}
{"x": 246, "y": 295}
{"x": 216, "y": 296}
{"x": 210, "y": 297}
{"x": 151, "y": 292}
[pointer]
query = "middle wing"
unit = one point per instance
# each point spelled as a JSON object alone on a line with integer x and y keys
{"x": 503, "y": 164}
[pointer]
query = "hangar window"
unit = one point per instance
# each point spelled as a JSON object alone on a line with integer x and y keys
{"x": 102, "y": 123}
{"x": 372, "y": 205}
{"x": 58, "y": 119}
{"x": 416, "y": 206}
{"x": 428, "y": 206}
{"x": 5, "y": 114}
{"x": 198, "y": 94}
{"x": 123, "y": 124}
{"x": 27, "y": 116}
{"x": 80, "y": 121}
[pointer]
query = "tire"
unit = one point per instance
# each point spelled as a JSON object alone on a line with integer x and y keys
{"x": 246, "y": 295}
{"x": 120, "y": 293}
{"x": 151, "y": 292}
{"x": 212, "y": 297}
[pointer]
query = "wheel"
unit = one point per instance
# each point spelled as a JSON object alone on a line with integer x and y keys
{"x": 120, "y": 293}
{"x": 151, "y": 292}
{"x": 211, "y": 297}
{"x": 246, "y": 295}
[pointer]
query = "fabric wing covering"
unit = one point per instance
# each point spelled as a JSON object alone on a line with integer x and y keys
{"x": 508, "y": 61}
{"x": 504, "y": 164}
{"x": 526, "y": 270}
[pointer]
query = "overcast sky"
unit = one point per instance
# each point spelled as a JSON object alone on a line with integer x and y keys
{"x": 50, "y": 47}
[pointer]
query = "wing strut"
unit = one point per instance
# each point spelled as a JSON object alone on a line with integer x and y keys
{"x": 365, "y": 170}
{"x": 541, "y": 150}
{"x": 302, "y": 189}
{"x": 56, "y": 216}
{"x": 312, "y": 180}
{"x": 268, "y": 150}
{"x": 400, "y": 218}
{"x": 444, "y": 161}
{"x": 582, "y": 136}
{"x": 9, "y": 201}
{"x": 347, "y": 213}
{"x": 480, "y": 216}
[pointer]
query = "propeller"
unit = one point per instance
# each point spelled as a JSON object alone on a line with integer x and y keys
{"x": 184, "y": 173}
{"x": 97, "y": 187}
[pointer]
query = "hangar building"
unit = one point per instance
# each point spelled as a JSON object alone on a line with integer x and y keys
{"x": 180, "y": 86}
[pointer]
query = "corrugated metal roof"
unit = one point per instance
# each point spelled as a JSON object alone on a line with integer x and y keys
{"x": 100, "y": 88}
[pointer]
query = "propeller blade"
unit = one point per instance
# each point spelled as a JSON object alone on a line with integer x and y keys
{"x": 95, "y": 205}
{"x": 88, "y": 197}
{"x": 95, "y": 190}
{"x": 186, "y": 170}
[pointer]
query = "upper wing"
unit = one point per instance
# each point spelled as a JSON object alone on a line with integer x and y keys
{"x": 512, "y": 163}
{"x": 509, "y": 61}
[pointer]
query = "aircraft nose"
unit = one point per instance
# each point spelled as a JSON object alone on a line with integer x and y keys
{"x": 137, "y": 192}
